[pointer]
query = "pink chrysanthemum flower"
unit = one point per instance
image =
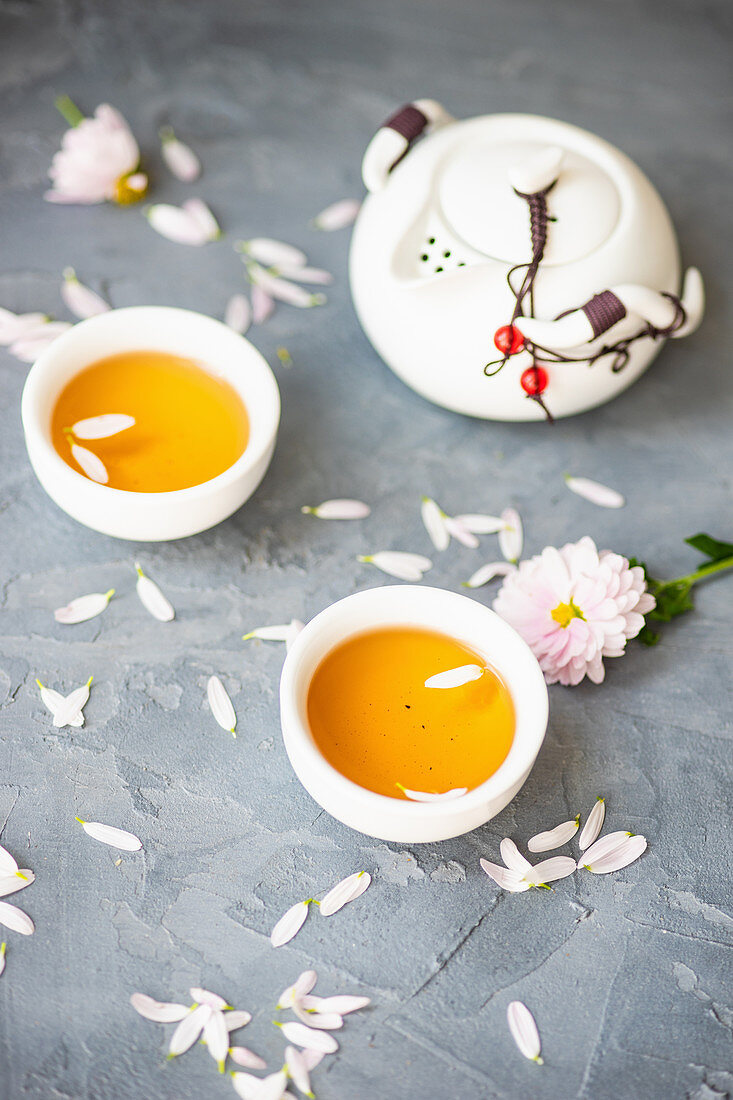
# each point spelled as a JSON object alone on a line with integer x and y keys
{"x": 97, "y": 162}
{"x": 575, "y": 606}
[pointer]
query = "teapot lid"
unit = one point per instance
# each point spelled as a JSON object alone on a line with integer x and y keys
{"x": 481, "y": 206}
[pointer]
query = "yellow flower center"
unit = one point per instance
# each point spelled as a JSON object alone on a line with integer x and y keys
{"x": 564, "y": 614}
{"x": 124, "y": 194}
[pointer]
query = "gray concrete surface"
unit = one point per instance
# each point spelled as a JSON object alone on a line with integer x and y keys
{"x": 628, "y": 974}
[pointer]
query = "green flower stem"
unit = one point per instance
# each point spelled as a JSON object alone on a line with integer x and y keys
{"x": 701, "y": 573}
{"x": 68, "y": 110}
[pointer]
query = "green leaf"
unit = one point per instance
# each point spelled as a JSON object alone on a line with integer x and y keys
{"x": 710, "y": 547}
{"x": 647, "y": 636}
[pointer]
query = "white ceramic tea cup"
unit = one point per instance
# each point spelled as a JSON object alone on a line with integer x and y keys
{"x": 465, "y": 620}
{"x": 151, "y": 517}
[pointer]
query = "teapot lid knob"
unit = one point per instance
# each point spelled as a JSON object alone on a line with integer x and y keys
{"x": 536, "y": 172}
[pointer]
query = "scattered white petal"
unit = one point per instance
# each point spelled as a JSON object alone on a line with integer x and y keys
{"x": 301, "y": 986}
{"x": 508, "y": 879}
{"x": 83, "y": 607}
{"x": 511, "y": 535}
{"x": 152, "y": 598}
{"x": 8, "y": 865}
{"x": 602, "y": 859}
{"x": 92, "y": 466}
{"x": 524, "y": 1030}
{"x": 458, "y": 531}
{"x": 101, "y": 427}
{"x": 263, "y": 305}
{"x": 216, "y": 1038}
{"x": 282, "y": 289}
{"x": 309, "y": 1038}
{"x": 272, "y": 1087}
{"x": 180, "y": 159}
{"x": 15, "y": 919}
{"x": 549, "y": 870}
{"x": 79, "y": 299}
{"x": 221, "y": 705}
{"x": 206, "y": 997}
{"x": 69, "y": 711}
{"x": 237, "y": 1018}
{"x": 513, "y": 858}
{"x": 480, "y": 524}
{"x": 397, "y": 563}
{"x": 108, "y": 834}
{"x": 345, "y": 891}
{"x": 20, "y": 326}
{"x": 64, "y": 714}
{"x": 489, "y": 572}
{"x": 289, "y": 924}
{"x": 29, "y": 350}
{"x": 281, "y": 632}
{"x": 455, "y": 677}
{"x": 3, "y": 947}
{"x": 273, "y": 253}
{"x": 176, "y": 224}
{"x": 337, "y": 216}
{"x": 327, "y": 1021}
{"x": 342, "y": 1004}
{"x": 297, "y": 1070}
{"x": 160, "y": 1012}
{"x": 338, "y": 509}
{"x": 434, "y": 519}
{"x": 243, "y": 1056}
{"x": 189, "y": 1030}
{"x": 238, "y": 313}
{"x": 313, "y": 1058}
{"x": 246, "y": 1085}
{"x": 429, "y": 796}
{"x": 594, "y": 492}
{"x": 592, "y": 828}
{"x": 314, "y": 275}
{"x": 203, "y": 216}
{"x": 11, "y": 883}
{"x": 554, "y": 838}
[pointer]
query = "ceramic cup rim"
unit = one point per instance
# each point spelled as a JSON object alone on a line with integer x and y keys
{"x": 263, "y": 410}
{"x": 532, "y": 707}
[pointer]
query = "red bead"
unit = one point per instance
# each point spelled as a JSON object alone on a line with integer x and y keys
{"x": 508, "y": 340}
{"x": 534, "y": 381}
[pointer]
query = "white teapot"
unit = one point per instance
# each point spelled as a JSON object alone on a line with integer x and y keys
{"x": 513, "y": 267}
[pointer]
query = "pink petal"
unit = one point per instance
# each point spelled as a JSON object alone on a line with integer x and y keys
{"x": 204, "y": 997}
{"x": 262, "y": 305}
{"x": 272, "y": 253}
{"x": 243, "y": 1056}
{"x": 160, "y": 1012}
{"x": 237, "y": 1018}
{"x": 289, "y": 924}
{"x": 337, "y": 216}
{"x": 489, "y": 572}
{"x": 176, "y": 224}
{"x": 602, "y": 861}
{"x": 594, "y": 492}
{"x": 511, "y": 535}
{"x": 92, "y": 466}
{"x": 309, "y": 1038}
{"x": 593, "y": 825}
{"x": 15, "y": 919}
{"x": 189, "y": 1030}
{"x": 513, "y": 858}
{"x": 180, "y": 159}
{"x": 79, "y": 299}
{"x": 238, "y": 313}
{"x": 345, "y": 891}
{"x": 201, "y": 213}
{"x": 502, "y": 876}
{"x": 342, "y": 1004}
{"x": 524, "y": 1030}
{"x": 549, "y": 870}
{"x": 216, "y": 1038}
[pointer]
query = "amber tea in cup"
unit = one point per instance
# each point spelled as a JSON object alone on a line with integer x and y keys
{"x": 374, "y": 720}
{"x": 188, "y": 426}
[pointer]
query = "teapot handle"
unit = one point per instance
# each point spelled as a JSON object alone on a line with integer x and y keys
{"x": 666, "y": 314}
{"x": 395, "y": 137}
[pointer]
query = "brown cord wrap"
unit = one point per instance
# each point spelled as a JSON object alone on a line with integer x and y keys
{"x": 409, "y": 121}
{"x": 604, "y": 310}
